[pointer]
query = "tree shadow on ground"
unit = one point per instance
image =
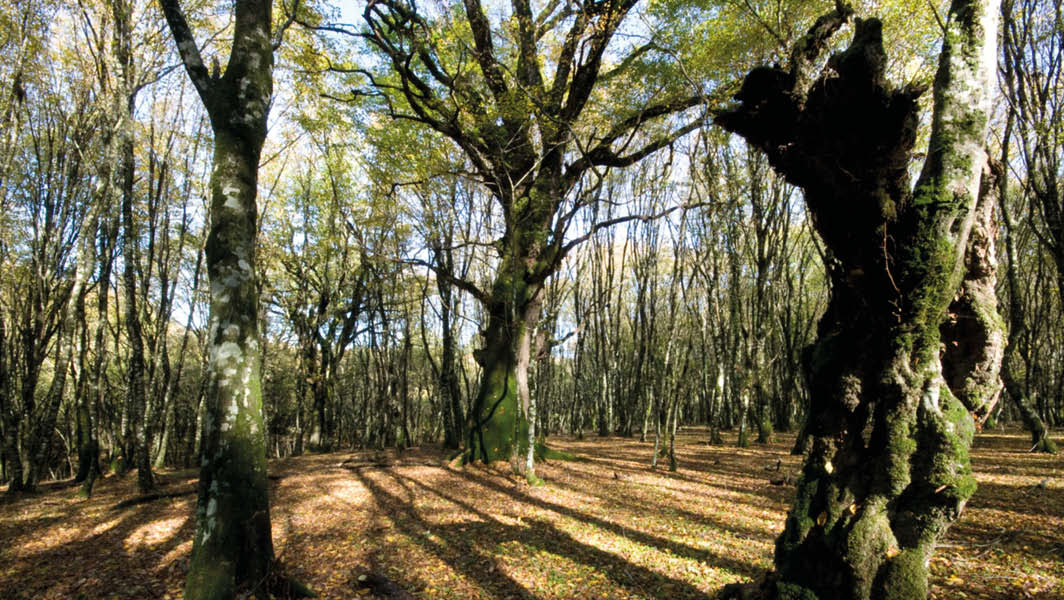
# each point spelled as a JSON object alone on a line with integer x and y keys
{"x": 134, "y": 568}
{"x": 650, "y": 540}
{"x": 636, "y": 504}
{"x": 472, "y": 548}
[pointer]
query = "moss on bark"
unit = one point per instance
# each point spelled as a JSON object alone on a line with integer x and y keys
{"x": 888, "y": 468}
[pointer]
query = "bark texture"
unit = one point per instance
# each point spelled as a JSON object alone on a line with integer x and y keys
{"x": 233, "y": 548}
{"x": 888, "y": 468}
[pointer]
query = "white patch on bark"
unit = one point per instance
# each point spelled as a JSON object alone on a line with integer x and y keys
{"x": 931, "y": 398}
{"x": 232, "y": 197}
{"x": 190, "y": 53}
{"x": 231, "y": 414}
{"x": 227, "y": 350}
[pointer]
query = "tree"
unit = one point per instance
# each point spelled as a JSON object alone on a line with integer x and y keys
{"x": 888, "y": 470}
{"x": 324, "y": 291}
{"x": 531, "y": 140}
{"x": 1031, "y": 83}
{"x": 233, "y": 547}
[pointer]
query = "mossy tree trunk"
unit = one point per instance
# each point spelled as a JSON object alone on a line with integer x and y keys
{"x": 518, "y": 126}
{"x": 496, "y": 427}
{"x": 888, "y": 468}
{"x": 233, "y": 548}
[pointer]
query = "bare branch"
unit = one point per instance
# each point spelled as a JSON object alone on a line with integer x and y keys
{"x": 278, "y": 35}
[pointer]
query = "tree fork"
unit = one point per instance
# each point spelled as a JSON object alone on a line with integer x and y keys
{"x": 233, "y": 547}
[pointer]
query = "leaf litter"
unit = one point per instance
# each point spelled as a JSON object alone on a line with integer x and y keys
{"x": 604, "y": 526}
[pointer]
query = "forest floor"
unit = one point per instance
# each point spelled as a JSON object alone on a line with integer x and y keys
{"x": 604, "y": 526}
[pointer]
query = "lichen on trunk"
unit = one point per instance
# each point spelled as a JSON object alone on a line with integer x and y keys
{"x": 888, "y": 468}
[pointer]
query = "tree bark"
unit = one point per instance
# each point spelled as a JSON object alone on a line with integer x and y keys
{"x": 888, "y": 470}
{"x": 233, "y": 548}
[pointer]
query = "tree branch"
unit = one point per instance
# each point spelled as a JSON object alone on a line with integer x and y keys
{"x": 187, "y": 48}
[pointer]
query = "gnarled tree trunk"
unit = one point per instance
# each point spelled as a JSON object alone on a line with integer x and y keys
{"x": 497, "y": 427}
{"x": 888, "y": 470}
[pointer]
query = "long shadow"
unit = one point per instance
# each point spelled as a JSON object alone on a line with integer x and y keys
{"x": 651, "y": 506}
{"x": 774, "y": 494}
{"x": 979, "y": 537}
{"x": 127, "y": 574}
{"x": 698, "y": 465}
{"x": 457, "y": 552}
{"x": 1036, "y": 501}
{"x": 541, "y": 535}
{"x": 663, "y": 544}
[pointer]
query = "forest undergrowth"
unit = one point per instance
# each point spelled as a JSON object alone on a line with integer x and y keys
{"x": 604, "y": 526}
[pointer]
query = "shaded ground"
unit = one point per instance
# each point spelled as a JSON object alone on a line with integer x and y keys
{"x": 603, "y": 527}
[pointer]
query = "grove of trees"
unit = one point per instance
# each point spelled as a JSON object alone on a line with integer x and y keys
{"x": 261, "y": 229}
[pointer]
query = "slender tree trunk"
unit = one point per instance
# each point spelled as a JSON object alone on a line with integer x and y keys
{"x": 1010, "y": 364}
{"x": 450, "y": 394}
{"x": 525, "y": 397}
{"x": 233, "y": 546}
{"x": 12, "y": 460}
{"x": 137, "y": 445}
{"x": 44, "y": 432}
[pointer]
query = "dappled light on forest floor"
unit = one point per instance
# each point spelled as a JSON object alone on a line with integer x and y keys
{"x": 603, "y": 526}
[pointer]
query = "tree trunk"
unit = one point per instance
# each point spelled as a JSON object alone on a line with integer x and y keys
{"x": 12, "y": 460}
{"x": 1011, "y": 363}
{"x": 524, "y": 394}
{"x": 233, "y": 547}
{"x": 450, "y": 394}
{"x": 494, "y": 421}
{"x": 497, "y": 427}
{"x": 44, "y": 433}
{"x": 233, "y": 544}
{"x": 888, "y": 470}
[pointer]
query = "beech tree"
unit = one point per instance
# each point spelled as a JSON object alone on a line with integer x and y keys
{"x": 531, "y": 139}
{"x": 233, "y": 547}
{"x": 1031, "y": 82}
{"x": 888, "y": 470}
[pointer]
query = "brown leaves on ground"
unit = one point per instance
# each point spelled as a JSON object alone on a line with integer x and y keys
{"x": 605, "y": 526}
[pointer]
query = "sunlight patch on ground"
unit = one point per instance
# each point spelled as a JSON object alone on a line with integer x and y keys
{"x": 151, "y": 534}
{"x": 604, "y": 527}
